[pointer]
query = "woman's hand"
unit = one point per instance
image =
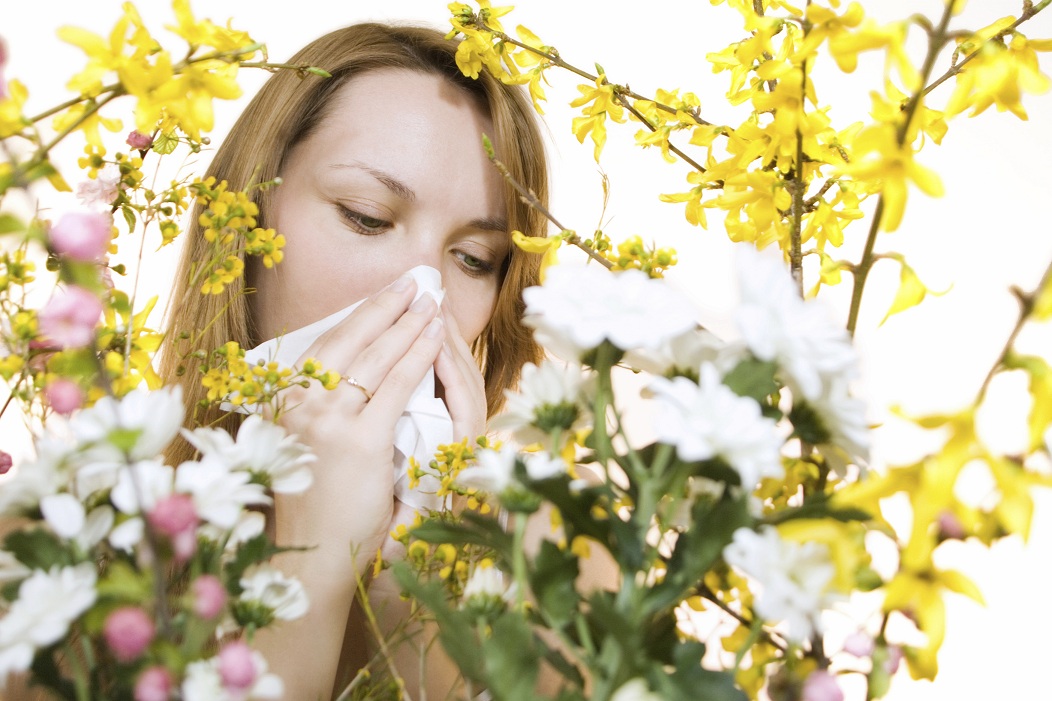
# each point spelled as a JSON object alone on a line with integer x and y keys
{"x": 387, "y": 345}
{"x": 463, "y": 388}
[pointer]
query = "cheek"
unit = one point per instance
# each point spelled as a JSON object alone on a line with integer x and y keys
{"x": 473, "y": 307}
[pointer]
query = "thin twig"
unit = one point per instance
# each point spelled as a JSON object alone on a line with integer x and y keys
{"x": 861, "y": 271}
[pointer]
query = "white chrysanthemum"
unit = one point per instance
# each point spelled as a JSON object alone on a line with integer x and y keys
{"x": 485, "y": 582}
{"x": 219, "y": 495}
{"x": 139, "y": 425}
{"x": 204, "y": 683}
{"x": 64, "y": 513}
{"x": 11, "y": 570}
{"x": 844, "y": 417}
{"x": 791, "y": 581}
{"x": 47, "y": 475}
{"x": 709, "y": 420}
{"x": 550, "y": 398}
{"x": 777, "y": 325}
{"x": 543, "y": 465}
{"x": 140, "y": 486}
{"x": 264, "y": 449}
{"x": 493, "y": 472}
{"x": 283, "y": 595}
{"x": 635, "y": 690}
{"x": 47, "y": 603}
{"x": 685, "y": 353}
{"x": 579, "y": 307}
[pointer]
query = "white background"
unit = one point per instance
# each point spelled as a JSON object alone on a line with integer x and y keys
{"x": 990, "y": 231}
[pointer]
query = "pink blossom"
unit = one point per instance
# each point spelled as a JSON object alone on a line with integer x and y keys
{"x": 859, "y": 644}
{"x": 103, "y": 188}
{"x": 950, "y": 527}
{"x": 82, "y": 236}
{"x": 209, "y": 596}
{"x": 237, "y": 669}
{"x": 5, "y": 462}
{"x": 128, "y": 630}
{"x": 139, "y": 141}
{"x": 68, "y": 319}
{"x": 894, "y": 658}
{"x": 176, "y": 517}
{"x": 3, "y": 61}
{"x": 154, "y": 684}
{"x": 820, "y": 685}
{"x": 64, "y": 396}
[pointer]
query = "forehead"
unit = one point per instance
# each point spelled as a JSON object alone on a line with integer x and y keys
{"x": 420, "y": 124}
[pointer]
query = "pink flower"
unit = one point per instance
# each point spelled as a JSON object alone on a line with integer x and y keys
{"x": 3, "y": 61}
{"x": 82, "y": 236}
{"x": 237, "y": 669}
{"x": 139, "y": 141}
{"x": 894, "y": 658}
{"x": 209, "y": 596}
{"x": 154, "y": 684}
{"x": 128, "y": 630}
{"x": 5, "y": 462}
{"x": 68, "y": 319}
{"x": 103, "y": 188}
{"x": 176, "y": 517}
{"x": 64, "y": 396}
{"x": 950, "y": 527}
{"x": 859, "y": 644}
{"x": 821, "y": 686}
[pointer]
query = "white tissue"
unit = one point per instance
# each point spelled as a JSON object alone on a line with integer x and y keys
{"x": 425, "y": 423}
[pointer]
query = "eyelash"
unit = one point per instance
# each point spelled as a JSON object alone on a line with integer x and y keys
{"x": 356, "y": 220}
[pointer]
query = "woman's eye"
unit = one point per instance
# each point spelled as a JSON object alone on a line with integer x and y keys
{"x": 473, "y": 265}
{"x": 363, "y": 223}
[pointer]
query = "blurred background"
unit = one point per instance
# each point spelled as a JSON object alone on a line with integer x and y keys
{"x": 990, "y": 231}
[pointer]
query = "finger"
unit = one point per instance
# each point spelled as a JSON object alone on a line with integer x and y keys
{"x": 374, "y": 362}
{"x": 340, "y": 345}
{"x": 465, "y": 399}
{"x": 393, "y": 392}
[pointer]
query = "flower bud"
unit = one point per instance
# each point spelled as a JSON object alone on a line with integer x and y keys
{"x": 83, "y": 236}
{"x": 820, "y": 685}
{"x": 128, "y": 631}
{"x": 209, "y": 596}
{"x": 68, "y": 319}
{"x": 176, "y": 517}
{"x": 237, "y": 669}
{"x": 64, "y": 396}
{"x": 859, "y": 644}
{"x": 5, "y": 462}
{"x": 154, "y": 684}
{"x": 139, "y": 141}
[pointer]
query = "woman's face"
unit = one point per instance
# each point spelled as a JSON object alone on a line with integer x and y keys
{"x": 395, "y": 176}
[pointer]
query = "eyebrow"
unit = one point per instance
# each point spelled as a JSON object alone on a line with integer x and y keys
{"x": 495, "y": 224}
{"x": 391, "y": 183}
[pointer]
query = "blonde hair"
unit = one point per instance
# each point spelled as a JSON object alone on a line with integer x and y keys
{"x": 287, "y": 110}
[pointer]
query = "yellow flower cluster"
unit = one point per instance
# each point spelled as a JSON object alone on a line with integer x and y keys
{"x": 633, "y": 254}
{"x": 128, "y": 346}
{"x": 450, "y": 459}
{"x": 165, "y": 88}
{"x": 230, "y": 378}
{"x": 228, "y": 216}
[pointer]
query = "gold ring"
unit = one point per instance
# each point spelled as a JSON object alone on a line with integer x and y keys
{"x": 357, "y": 385}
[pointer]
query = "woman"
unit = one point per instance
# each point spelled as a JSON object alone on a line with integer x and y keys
{"x": 383, "y": 169}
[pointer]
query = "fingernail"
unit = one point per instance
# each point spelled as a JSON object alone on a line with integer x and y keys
{"x": 422, "y": 304}
{"x": 434, "y": 329}
{"x": 402, "y": 283}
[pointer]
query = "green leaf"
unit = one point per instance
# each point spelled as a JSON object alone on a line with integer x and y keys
{"x": 697, "y": 549}
{"x": 911, "y": 290}
{"x": 38, "y": 549}
{"x": 552, "y": 582}
{"x": 129, "y": 217}
{"x": 124, "y": 582}
{"x": 512, "y": 659}
{"x": 164, "y": 143}
{"x": 473, "y": 529}
{"x": 807, "y": 424}
{"x": 691, "y": 681}
{"x": 321, "y": 72}
{"x": 10, "y": 224}
{"x": 753, "y": 378}
{"x": 455, "y": 629}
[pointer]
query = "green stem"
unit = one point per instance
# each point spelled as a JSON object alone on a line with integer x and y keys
{"x": 861, "y": 271}
{"x": 518, "y": 563}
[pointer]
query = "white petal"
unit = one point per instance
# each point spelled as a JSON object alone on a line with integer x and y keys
{"x": 64, "y": 513}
